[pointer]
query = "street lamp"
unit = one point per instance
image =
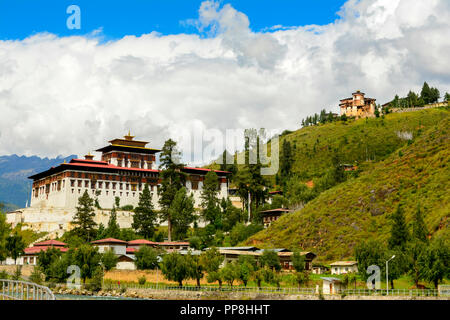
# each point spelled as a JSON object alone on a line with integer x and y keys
{"x": 387, "y": 275}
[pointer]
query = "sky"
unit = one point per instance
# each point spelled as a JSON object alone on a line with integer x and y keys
{"x": 194, "y": 70}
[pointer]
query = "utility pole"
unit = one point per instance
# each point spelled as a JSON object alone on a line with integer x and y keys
{"x": 387, "y": 275}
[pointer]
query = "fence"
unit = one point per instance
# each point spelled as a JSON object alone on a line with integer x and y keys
{"x": 390, "y": 292}
{"x": 283, "y": 290}
{"x": 20, "y": 290}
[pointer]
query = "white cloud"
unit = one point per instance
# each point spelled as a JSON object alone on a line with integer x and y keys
{"x": 72, "y": 94}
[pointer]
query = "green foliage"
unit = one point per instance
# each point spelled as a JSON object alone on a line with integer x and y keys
{"x": 270, "y": 259}
{"x": 109, "y": 260}
{"x": 230, "y": 272}
{"x": 435, "y": 261}
{"x": 113, "y": 229}
{"x": 195, "y": 267}
{"x": 181, "y": 212}
{"x": 172, "y": 180}
{"x": 95, "y": 283}
{"x": 419, "y": 229}
{"x": 211, "y": 260}
{"x": 15, "y": 246}
{"x": 144, "y": 218}
{"x": 142, "y": 280}
{"x": 247, "y": 265}
{"x": 301, "y": 278}
{"x": 241, "y": 232}
{"x": 45, "y": 259}
{"x": 370, "y": 252}
{"x": 88, "y": 259}
{"x": 298, "y": 261}
{"x": 399, "y": 231}
{"x": 5, "y": 230}
{"x": 175, "y": 268}
{"x": 83, "y": 220}
{"x": 36, "y": 276}
{"x": 146, "y": 258}
{"x": 210, "y": 203}
{"x": 230, "y": 214}
{"x": 17, "y": 273}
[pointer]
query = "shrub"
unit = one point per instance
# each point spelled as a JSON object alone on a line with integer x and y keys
{"x": 142, "y": 280}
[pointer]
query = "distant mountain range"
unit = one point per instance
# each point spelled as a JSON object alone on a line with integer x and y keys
{"x": 15, "y": 187}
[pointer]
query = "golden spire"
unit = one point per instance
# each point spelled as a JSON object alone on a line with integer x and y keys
{"x": 129, "y": 136}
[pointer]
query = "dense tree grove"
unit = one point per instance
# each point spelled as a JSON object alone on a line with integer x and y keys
{"x": 145, "y": 218}
{"x": 415, "y": 255}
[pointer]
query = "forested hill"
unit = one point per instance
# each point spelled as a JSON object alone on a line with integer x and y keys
{"x": 14, "y": 171}
{"x": 409, "y": 157}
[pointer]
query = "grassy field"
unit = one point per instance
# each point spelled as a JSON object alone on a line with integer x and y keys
{"x": 417, "y": 172}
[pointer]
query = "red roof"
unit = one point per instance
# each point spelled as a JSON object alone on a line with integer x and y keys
{"x": 95, "y": 164}
{"x": 203, "y": 169}
{"x": 54, "y": 243}
{"x": 131, "y": 250}
{"x": 173, "y": 243}
{"x": 109, "y": 240}
{"x": 35, "y": 250}
{"x": 141, "y": 241}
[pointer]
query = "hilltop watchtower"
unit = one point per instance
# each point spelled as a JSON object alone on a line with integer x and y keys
{"x": 358, "y": 106}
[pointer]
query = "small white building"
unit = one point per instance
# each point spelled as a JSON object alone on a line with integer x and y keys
{"x": 343, "y": 267}
{"x": 119, "y": 247}
{"x": 331, "y": 285}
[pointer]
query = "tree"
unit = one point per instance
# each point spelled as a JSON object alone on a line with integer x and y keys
{"x": 172, "y": 180}
{"x": 57, "y": 270}
{"x": 195, "y": 267}
{"x": 286, "y": 161}
{"x": 298, "y": 261}
{"x": 113, "y": 229}
{"x": 83, "y": 219}
{"x": 146, "y": 258}
{"x": 211, "y": 259}
{"x": 175, "y": 268}
{"x": 230, "y": 214}
{"x": 5, "y": 230}
{"x": 399, "y": 230}
{"x": 370, "y": 252}
{"x": 15, "y": 246}
{"x": 109, "y": 260}
{"x": 230, "y": 272}
{"x": 419, "y": 229}
{"x": 210, "y": 202}
{"x": 270, "y": 259}
{"x": 144, "y": 218}
{"x": 181, "y": 212}
{"x": 301, "y": 277}
{"x": 435, "y": 262}
{"x": 447, "y": 97}
{"x": 247, "y": 265}
{"x": 87, "y": 258}
{"x": 46, "y": 259}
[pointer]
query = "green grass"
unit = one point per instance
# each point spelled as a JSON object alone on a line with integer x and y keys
{"x": 415, "y": 172}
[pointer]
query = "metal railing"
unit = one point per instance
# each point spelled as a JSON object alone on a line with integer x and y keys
{"x": 391, "y": 292}
{"x": 281, "y": 290}
{"x": 20, "y": 290}
{"x": 224, "y": 288}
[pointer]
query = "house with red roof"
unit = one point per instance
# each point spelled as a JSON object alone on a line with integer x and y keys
{"x": 30, "y": 256}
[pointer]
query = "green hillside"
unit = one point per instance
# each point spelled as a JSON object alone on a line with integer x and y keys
{"x": 399, "y": 170}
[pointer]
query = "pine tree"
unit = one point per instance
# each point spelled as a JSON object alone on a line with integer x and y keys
{"x": 426, "y": 93}
{"x": 83, "y": 219}
{"x": 286, "y": 161}
{"x": 144, "y": 218}
{"x": 113, "y": 229}
{"x": 419, "y": 228}
{"x": 399, "y": 231}
{"x": 172, "y": 180}
{"x": 210, "y": 202}
{"x": 181, "y": 212}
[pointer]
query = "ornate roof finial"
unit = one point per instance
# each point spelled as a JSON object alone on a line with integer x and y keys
{"x": 129, "y": 137}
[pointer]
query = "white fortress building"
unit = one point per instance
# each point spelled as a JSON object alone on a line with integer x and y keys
{"x": 125, "y": 167}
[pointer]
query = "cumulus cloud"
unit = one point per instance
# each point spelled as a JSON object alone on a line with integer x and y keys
{"x": 64, "y": 95}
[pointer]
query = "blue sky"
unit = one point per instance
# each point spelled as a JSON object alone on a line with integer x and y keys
{"x": 22, "y": 18}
